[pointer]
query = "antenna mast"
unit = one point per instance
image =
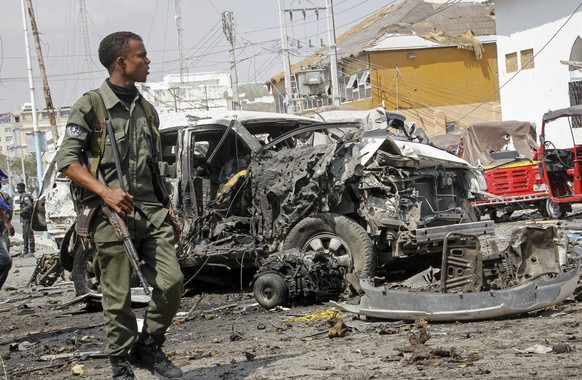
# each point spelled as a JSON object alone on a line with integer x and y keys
{"x": 85, "y": 37}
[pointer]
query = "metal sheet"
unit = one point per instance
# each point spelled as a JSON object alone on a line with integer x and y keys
{"x": 382, "y": 303}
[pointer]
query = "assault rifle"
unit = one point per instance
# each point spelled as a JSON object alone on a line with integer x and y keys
{"x": 124, "y": 237}
{"x": 117, "y": 223}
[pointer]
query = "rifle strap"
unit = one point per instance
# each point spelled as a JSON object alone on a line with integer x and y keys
{"x": 152, "y": 122}
{"x": 98, "y": 133}
{"x": 98, "y": 126}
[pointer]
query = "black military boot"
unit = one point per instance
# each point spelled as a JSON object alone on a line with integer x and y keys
{"x": 121, "y": 368}
{"x": 147, "y": 352}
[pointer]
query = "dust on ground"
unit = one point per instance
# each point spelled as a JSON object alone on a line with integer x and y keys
{"x": 226, "y": 335}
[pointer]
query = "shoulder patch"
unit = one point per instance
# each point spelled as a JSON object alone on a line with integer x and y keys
{"x": 73, "y": 130}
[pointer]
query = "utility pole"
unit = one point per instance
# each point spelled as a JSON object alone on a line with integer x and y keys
{"x": 286, "y": 65}
{"x": 174, "y": 92}
{"x": 227, "y": 27}
{"x": 85, "y": 38}
{"x": 332, "y": 44}
{"x": 45, "y": 86}
{"x": 180, "y": 29}
{"x": 332, "y": 54}
{"x": 39, "y": 169}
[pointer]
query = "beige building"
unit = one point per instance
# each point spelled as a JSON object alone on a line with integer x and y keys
{"x": 17, "y": 130}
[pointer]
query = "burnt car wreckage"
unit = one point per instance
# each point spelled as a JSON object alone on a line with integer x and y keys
{"x": 256, "y": 194}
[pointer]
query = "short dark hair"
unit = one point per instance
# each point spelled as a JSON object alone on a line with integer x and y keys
{"x": 20, "y": 184}
{"x": 113, "y": 46}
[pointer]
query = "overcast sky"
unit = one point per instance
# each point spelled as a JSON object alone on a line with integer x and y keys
{"x": 71, "y": 72}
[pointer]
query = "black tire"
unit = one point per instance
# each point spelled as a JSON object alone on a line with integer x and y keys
{"x": 551, "y": 210}
{"x": 341, "y": 237}
{"x": 270, "y": 290}
{"x": 82, "y": 278}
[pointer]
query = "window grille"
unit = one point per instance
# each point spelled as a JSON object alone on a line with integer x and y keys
{"x": 511, "y": 62}
{"x": 527, "y": 59}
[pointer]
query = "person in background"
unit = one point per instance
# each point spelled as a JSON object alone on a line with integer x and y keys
{"x": 5, "y": 259}
{"x": 6, "y": 206}
{"x": 26, "y": 205}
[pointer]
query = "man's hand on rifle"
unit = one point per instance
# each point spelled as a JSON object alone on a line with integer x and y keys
{"x": 118, "y": 200}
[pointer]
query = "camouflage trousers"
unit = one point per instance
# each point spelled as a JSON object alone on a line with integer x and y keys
{"x": 27, "y": 237}
{"x": 162, "y": 271}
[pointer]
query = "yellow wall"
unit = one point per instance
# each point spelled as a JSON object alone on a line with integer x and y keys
{"x": 436, "y": 77}
{"x": 437, "y": 85}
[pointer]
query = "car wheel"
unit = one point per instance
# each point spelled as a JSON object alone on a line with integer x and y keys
{"x": 270, "y": 290}
{"x": 553, "y": 210}
{"x": 342, "y": 238}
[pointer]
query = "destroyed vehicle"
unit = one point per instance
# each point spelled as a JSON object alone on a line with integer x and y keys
{"x": 55, "y": 211}
{"x": 248, "y": 185}
{"x": 365, "y": 199}
{"x": 535, "y": 271}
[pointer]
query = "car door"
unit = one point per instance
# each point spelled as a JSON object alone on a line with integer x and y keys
{"x": 208, "y": 156}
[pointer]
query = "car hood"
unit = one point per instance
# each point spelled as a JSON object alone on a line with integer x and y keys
{"x": 420, "y": 155}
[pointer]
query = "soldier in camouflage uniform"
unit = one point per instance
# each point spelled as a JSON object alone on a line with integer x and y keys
{"x": 125, "y": 57}
{"x": 26, "y": 204}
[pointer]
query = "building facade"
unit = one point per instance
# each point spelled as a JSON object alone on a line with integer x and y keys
{"x": 205, "y": 92}
{"x": 412, "y": 59}
{"x": 539, "y": 45}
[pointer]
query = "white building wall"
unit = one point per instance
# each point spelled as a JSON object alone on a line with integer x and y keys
{"x": 532, "y": 24}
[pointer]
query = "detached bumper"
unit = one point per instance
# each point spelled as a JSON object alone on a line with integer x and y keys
{"x": 379, "y": 302}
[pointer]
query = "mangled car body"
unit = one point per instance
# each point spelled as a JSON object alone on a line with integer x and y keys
{"x": 364, "y": 198}
{"x": 246, "y": 185}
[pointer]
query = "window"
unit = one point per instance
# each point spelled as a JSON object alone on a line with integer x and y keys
{"x": 64, "y": 111}
{"x": 511, "y": 62}
{"x": 364, "y": 85}
{"x": 353, "y": 82}
{"x": 527, "y": 59}
{"x": 357, "y": 86}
